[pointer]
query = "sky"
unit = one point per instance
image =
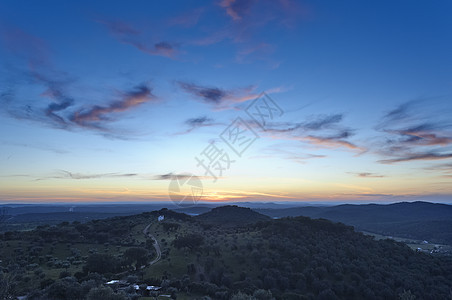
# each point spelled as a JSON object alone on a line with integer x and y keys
{"x": 258, "y": 100}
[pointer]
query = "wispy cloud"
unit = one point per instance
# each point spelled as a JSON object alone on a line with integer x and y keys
{"x": 319, "y": 122}
{"x": 423, "y": 134}
{"x": 444, "y": 169}
{"x": 171, "y": 176}
{"x": 416, "y": 131}
{"x": 217, "y": 97}
{"x": 96, "y": 114}
{"x": 38, "y": 146}
{"x": 62, "y": 109}
{"x": 417, "y": 156}
{"x": 187, "y": 19}
{"x": 55, "y": 90}
{"x": 336, "y": 141}
{"x": 199, "y": 122}
{"x": 128, "y": 34}
{"x": 237, "y": 9}
{"x": 63, "y": 174}
{"x": 285, "y": 12}
{"x": 367, "y": 175}
{"x": 295, "y": 156}
{"x": 246, "y": 21}
{"x": 35, "y": 53}
{"x": 65, "y": 113}
{"x": 323, "y": 130}
{"x": 256, "y": 52}
{"x": 374, "y": 195}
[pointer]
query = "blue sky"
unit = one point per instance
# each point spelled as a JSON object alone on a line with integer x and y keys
{"x": 101, "y": 101}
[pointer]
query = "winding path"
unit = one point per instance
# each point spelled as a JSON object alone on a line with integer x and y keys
{"x": 156, "y": 245}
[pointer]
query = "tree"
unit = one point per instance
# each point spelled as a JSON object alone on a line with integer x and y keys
{"x": 241, "y": 296}
{"x": 104, "y": 293}
{"x": 3, "y": 216}
{"x": 64, "y": 289}
{"x": 407, "y": 295}
{"x": 101, "y": 263}
{"x": 262, "y": 295}
{"x": 137, "y": 255}
{"x": 7, "y": 285}
{"x": 190, "y": 241}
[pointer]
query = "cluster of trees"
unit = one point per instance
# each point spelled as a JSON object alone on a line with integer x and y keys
{"x": 189, "y": 241}
{"x": 301, "y": 258}
{"x": 108, "y": 264}
{"x": 69, "y": 288}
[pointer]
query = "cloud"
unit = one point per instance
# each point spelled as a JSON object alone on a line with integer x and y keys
{"x": 236, "y": 9}
{"x": 442, "y": 167}
{"x": 38, "y": 146}
{"x": 332, "y": 142}
{"x": 417, "y": 130}
{"x": 63, "y": 113}
{"x": 127, "y": 34}
{"x": 62, "y": 174}
{"x": 278, "y": 151}
{"x": 35, "y": 53}
{"x": 95, "y": 114}
{"x": 324, "y": 121}
{"x": 251, "y": 52}
{"x": 50, "y": 114}
{"x": 417, "y": 156}
{"x": 217, "y": 97}
{"x": 317, "y": 123}
{"x": 207, "y": 94}
{"x": 445, "y": 169}
{"x": 401, "y": 112}
{"x": 285, "y": 12}
{"x": 248, "y": 20}
{"x": 200, "y": 121}
{"x": 322, "y": 130}
{"x": 187, "y": 19}
{"x": 423, "y": 134}
{"x": 375, "y": 195}
{"x": 62, "y": 109}
{"x": 55, "y": 91}
{"x": 171, "y": 176}
{"x": 195, "y": 123}
{"x": 367, "y": 175}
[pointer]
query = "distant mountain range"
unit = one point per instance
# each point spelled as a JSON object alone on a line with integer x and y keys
{"x": 415, "y": 220}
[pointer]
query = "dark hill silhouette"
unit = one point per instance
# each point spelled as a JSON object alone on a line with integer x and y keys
{"x": 417, "y": 220}
{"x": 231, "y": 215}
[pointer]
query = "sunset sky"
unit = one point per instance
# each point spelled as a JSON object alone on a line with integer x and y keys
{"x": 105, "y": 100}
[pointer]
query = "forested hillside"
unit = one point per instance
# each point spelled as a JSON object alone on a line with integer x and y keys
{"x": 288, "y": 258}
{"x": 415, "y": 220}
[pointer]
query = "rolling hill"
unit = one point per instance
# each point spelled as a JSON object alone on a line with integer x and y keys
{"x": 251, "y": 257}
{"x": 415, "y": 220}
{"x": 231, "y": 215}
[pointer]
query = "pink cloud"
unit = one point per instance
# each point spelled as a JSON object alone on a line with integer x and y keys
{"x": 88, "y": 118}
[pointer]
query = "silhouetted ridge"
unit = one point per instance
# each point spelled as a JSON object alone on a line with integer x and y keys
{"x": 231, "y": 215}
{"x": 416, "y": 220}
